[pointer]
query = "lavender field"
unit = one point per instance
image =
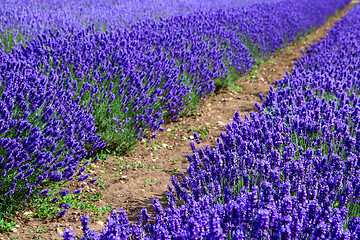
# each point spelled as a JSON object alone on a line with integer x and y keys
{"x": 106, "y": 75}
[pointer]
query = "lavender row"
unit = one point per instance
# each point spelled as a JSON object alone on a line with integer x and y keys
{"x": 31, "y": 18}
{"x": 292, "y": 171}
{"x": 44, "y": 132}
{"x": 167, "y": 64}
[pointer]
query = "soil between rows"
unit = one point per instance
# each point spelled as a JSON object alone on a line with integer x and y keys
{"x": 153, "y": 163}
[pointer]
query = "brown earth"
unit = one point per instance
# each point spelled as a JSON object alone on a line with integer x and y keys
{"x": 132, "y": 180}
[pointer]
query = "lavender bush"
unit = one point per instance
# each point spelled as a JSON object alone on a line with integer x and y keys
{"x": 44, "y": 132}
{"x": 289, "y": 172}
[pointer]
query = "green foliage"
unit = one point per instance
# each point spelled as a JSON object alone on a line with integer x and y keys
{"x": 192, "y": 101}
{"x": 201, "y": 130}
{"x": 236, "y": 89}
{"x": 288, "y": 50}
{"x": 8, "y": 40}
{"x": 254, "y": 49}
{"x": 229, "y": 82}
{"x": 7, "y": 225}
{"x": 354, "y": 210}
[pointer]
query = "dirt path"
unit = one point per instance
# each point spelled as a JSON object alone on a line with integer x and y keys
{"x": 132, "y": 180}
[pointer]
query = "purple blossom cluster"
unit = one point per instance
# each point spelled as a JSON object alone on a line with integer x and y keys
{"x": 44, "y": 132}
{"x": 290, "y": 171}
{"x": 31, "y": 18}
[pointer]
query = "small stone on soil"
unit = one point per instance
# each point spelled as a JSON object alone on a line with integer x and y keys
{"x": 59, "y": 231}
{"x": 28, "y": 213}
{"x": 221, "y": 123}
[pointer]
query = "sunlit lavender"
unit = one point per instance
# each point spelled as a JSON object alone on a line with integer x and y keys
{"x": 106, "y": 74}
{"x": 290, "y": 171}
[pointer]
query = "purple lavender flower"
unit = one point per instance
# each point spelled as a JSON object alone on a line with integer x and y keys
{"x": 77, "y": 191}
{"x": 62, "y": 213}
{"x": 45, "y": 192}
{"x": 83, "y": 177}
{"x": 93, "y": 180}
{"x": 197, "y": 138}
{"x": 64, "y": 193}
{"x": 68, "y": 234}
